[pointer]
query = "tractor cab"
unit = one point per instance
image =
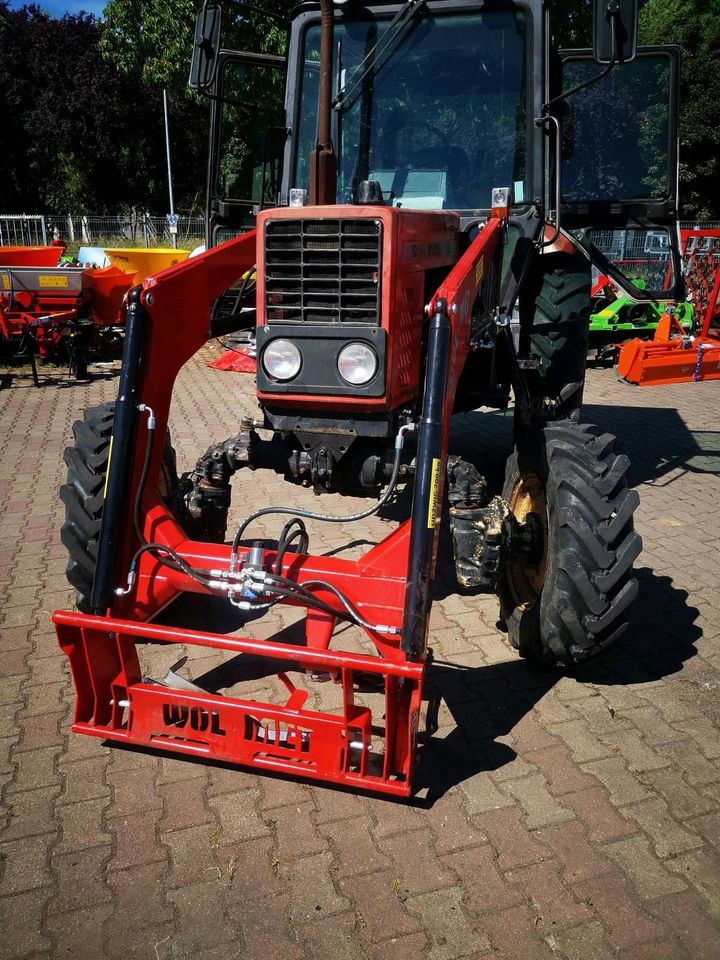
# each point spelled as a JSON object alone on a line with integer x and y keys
{"x": 437, "y": 103}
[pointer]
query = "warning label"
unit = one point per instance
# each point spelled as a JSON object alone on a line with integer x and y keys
{"x": 52, "y": 280}
{"x": 434, "y": 485}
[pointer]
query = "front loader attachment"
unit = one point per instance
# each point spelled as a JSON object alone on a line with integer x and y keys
{"x": 350, "y": 747}
{"x": 343, "y": 716}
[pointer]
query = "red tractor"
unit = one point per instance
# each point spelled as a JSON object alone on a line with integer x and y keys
{"x": 433, "y": 175}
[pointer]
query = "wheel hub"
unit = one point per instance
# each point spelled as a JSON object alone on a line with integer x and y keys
{"x": 529, "y": 543}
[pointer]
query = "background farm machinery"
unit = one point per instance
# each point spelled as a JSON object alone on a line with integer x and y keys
{"x": 59, "y": 312}
{"x": 676, "y": 354}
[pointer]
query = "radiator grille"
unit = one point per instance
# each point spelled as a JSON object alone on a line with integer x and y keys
{"x": 323, "y": 271}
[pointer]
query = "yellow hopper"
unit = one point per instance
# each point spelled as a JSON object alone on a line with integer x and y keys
{"x": 144, "y": 261}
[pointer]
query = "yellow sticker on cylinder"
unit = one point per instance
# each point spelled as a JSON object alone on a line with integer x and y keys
{"x": 434, "y": 486}
{"x": 107, "y": 473}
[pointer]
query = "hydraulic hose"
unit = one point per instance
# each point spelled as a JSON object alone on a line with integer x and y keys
{"x": 326, "y": 517}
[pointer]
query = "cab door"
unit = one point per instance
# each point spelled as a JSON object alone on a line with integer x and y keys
{"x": 619, "y": 167}
{"x": 247, "y": 141}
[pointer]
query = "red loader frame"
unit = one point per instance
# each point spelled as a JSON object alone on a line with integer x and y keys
{"x": 389, "y": 585}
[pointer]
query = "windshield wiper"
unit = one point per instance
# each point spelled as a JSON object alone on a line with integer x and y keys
{"x": 378, "y": 54}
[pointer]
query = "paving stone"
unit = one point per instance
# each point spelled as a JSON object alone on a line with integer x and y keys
{"x": 37, "y": 768}
{"x": 312, "y": 888}
{"x": 21, "y": 922}
{"x": 450, "y": 933}
{"x": 709, "y": 827}
{"x": 698, "y": 933}
{"x": 80, "y": 879}
{"x": 514, "y": 844}
{"x": 138, "y": 894}
{"x": 579, "y": 859}
{"x": 377, "y": 901}
{"x": 335, "y": 804}
{"x": 397, "y": 948}
{"x": 452, "y": 828}
{"x": 696, "y": 768}
{"x": 653, "y": 726}
{"x": 200, "y": 920}
{"x": 658, "y": 950}
{"x": 267, "y": 932}
{"x": 650, "y": 877}
{"x": 682, "y": 799}
{"x": 295, "y": 831}
{"x": 83, "y": 780}
{"x": 416, "y": 863}
{"x": 185, "y": 805}
{"x": 627, "y": 922}
{"x": 540, "y": 807}
{"x": 481, "y": 794}
{"x": 583, "y": 744}
{"x": 614, "y": 774}
{"x": 586, "y": 942}
{"x": 133, "y": 791}
{"x": 237, "y": 816}
{"x": 24, "y": 864}
{"x": 700, "y": 868}
{"x": 354, "y": 847}
{"x": 639, "y": 756}
{"x": 135, "y": 841}
{"x": 30, "y": 814}
{"x": 193, "y": 856}
{"x": 79, "y": 934}
{"x": 705, "y": 732}
{"x": 486, "y": 889}
{"x": 251, "y": 869}
{"x": 668, "y": 837}
{"x": 554, "y": 904}
{"x": 83, "y": 825}
{"x": 561, "y": 774}
{"x": 601, "y": 818}
{"x": 515, "y": 933}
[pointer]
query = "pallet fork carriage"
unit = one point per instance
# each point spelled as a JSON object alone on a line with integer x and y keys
{"x": 384, "y": 278}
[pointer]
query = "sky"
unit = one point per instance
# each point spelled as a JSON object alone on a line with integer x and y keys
{"x": 59, "y": 7}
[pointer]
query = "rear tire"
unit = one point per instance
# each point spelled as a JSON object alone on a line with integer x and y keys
{"x": 84, "y": 495}
{"x": 574, "y": 603}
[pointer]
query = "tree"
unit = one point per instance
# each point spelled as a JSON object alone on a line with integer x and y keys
{"x": 68, "y": 116}
{"x": 695, "y": 26}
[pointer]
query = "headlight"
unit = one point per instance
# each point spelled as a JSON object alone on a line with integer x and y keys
{"x": 357, "y": 363}
{"x": 282, "y": 360}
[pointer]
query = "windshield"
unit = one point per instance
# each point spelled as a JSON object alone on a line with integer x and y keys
{"x": 441, "y": 122}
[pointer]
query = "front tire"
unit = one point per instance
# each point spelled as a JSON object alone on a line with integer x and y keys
{"x": 573, "y": 602}
{"x": 84, "y": 495}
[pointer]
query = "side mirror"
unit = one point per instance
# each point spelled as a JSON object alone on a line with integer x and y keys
{"x": 615, "y": 29}
{"x": 206, "y": 47}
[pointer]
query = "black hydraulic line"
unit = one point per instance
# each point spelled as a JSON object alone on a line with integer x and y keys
{"x": 426, "y": 503}
{"x": 121, "y": 454}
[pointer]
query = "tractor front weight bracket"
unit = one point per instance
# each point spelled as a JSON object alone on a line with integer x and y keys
{"x": 386, "y": 593}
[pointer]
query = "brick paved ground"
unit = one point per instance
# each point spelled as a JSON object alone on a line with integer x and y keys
{"x": 567, "y": 816}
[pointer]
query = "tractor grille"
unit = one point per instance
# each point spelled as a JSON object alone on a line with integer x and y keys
{"x": 323, "y": 271}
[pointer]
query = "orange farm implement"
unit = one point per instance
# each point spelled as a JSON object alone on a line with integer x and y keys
{"x": 673, "y": 355}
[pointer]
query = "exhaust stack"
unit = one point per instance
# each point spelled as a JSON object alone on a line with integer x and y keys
{"x": 323, "y": 162}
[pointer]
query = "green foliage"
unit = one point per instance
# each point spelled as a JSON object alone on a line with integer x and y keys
{"x": 695, "y": 25}
{"x": 150, "y": 39}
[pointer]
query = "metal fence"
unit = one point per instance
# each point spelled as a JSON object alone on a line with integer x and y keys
{"x": 23, "y": 230}
{"x": 131, "y": 230}
{"x": 144, "y": 230}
